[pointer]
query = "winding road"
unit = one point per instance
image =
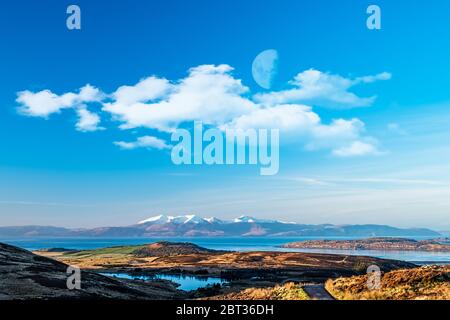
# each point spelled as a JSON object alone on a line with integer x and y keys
{"x": 317, "y": 292}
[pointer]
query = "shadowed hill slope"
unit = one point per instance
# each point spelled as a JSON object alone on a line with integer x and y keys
{"x": 25, "y": 275}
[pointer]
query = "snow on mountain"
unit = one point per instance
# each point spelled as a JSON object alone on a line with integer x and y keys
{"x": 163, "y": 219}
{"x": 155, "y": 219}
{"x": 194, "y": 219}
{"x": 247, "y": 219}
{"x": 193, "y": 226}
{"x": 213, "y": 220}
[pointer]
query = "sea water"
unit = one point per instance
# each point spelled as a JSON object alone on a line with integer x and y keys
{"x": 231, "y": 244}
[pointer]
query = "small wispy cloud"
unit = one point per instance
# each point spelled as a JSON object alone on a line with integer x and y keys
{"x": 45, "y": 204}
{"x": 333, "y": 181}
{"x": 396, "y": 181}
{"x": 311, "y": 181}
{"x": 148, "y": 142}
{"x": 396, "y": 128}
{"x": 357, "y": 149}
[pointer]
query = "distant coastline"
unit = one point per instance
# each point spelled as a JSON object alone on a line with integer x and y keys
{"x": 386, "y": 244}
{"x": 241, "y": 244}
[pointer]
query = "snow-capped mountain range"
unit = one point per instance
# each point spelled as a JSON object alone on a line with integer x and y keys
{"x": 163, "y": 219}
{"x": 166, "y": 226}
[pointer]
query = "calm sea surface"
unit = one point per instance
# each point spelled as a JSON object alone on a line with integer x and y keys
{"x": 236, "y": 244}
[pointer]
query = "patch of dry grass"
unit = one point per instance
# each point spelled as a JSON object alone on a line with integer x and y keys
{"x": 425, "y": 283}
{"x": 289, "y": 291}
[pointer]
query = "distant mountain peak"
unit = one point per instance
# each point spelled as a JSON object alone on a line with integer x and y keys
{"x": 153, "y": 219}
{"x": 247, "y": 219}
{"x": 194, "y": 226}
{"x": 213, "y": 220}
{"x": 163, "y": 219}
{"x": 192, "y": 218}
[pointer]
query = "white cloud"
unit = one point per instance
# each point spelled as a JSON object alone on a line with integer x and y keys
{"x": 284, "y": 117}
{"x": 87, "y": 121}
{"x": 209, "y": 94}
{"x": 300, "y": 124}
{"x": 212, "y": 95}
{"x": 356, "y": 148}
{"x": 148, "y": 142}
{"x": 322, "y": 89}
{"x": 396, "y": 128}
{"x": 370, "y": 79}
{"x": 44, "y": 103}
{"x": 395, "y": 181}
{"x": 147, "y": 89}
{"x": 336, "y": 181}
{"x": 310, "y": 181}
{"x": 338, "y": 134}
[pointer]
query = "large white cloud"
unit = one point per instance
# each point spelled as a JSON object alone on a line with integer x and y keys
{"x": 300, "y": 124}
{"x": 211, "y": 94}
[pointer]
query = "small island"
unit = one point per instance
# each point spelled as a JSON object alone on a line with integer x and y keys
{"x": 385, "y": 244}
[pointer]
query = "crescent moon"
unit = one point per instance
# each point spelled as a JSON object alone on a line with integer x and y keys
{"x": 265, "y": 67}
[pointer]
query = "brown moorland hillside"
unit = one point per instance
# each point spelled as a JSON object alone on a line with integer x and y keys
{"x": 425, "y": 283}
{"x": 288, "y": 291}
{"x": 26, "y": 276}
{"x": 166, "y": 255}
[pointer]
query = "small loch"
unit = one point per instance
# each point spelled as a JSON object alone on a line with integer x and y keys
{"x": 185, "y": 282}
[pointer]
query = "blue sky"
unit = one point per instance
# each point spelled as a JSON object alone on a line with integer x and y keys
{"x": 53, "y": 174}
